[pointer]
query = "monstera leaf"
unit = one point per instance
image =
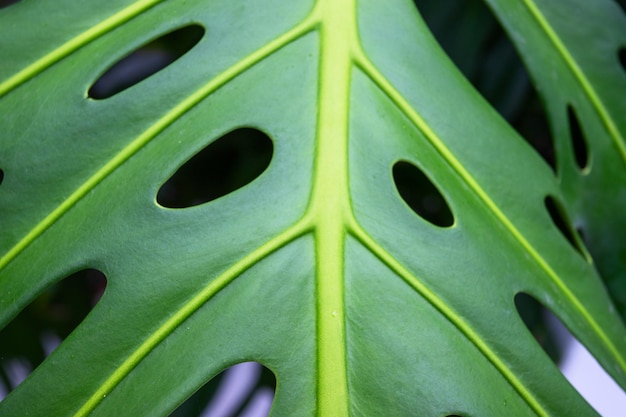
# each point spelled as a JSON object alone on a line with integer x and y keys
{"x": 317, "y": 264}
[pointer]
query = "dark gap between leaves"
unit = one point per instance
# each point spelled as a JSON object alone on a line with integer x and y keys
{"x": 145, "y": 61}
{"x": 557, "y": 214}
{"x": 581, "y": 233}
{"x": 578, "y": 139}
{"x": 225, "y": 165}
{"x": 31, "y": 336}
{"x": 477, "y": 44}
{"x": 622, "y": 5}
{"x": 421, "y": 195}
{"x": 621, "y": 55}
{"x": 235, "y": 391}
{"x": 1, "y": 176}
{"x": 7, "y": 3}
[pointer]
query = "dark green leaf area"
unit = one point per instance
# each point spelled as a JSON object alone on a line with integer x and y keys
{"x": 145, "y": 61}
{"x": 54, "y": 313}
{"x": 421, "y": 194}
{"x": 478, "y": 45}
{"x": 222, "y": 167}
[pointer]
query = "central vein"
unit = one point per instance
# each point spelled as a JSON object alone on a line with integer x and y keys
{"x": 330, "y": 203}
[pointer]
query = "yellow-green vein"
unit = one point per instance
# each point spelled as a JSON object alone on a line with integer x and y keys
{"x": 385, "y": 86}
{"x": 138, "y": 143}
{"x": 607, "y": 120}
{"x": 75, "y": 43}
{"x": 329, "y": 202}
{"x": 454, "y": 318}
{"x": 214, "y": 287}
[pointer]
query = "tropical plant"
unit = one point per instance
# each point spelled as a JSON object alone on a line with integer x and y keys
{"x": 369, "y": 252}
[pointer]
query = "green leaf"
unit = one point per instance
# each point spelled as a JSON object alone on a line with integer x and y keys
{"x": 574, "y": 63}
{"x": 317, "y": 268}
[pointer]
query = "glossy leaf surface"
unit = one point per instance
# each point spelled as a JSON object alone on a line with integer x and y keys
{"x": 316, "y": 267}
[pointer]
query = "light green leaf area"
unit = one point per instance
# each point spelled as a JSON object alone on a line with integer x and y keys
{"x": 317, "y": 269}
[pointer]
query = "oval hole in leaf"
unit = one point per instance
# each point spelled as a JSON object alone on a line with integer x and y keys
{"x": 422, "y": 196}
{"x": 7, "y": 3}
{"x": 234, "y": 392}
{"x": 533, "y": 315}
{"x": 145, "y": 61}
{"x": 222, "y": 167}
{"x": 621, "y": 55}
{"x": 557, "y": 214}
{"x": 578, "y": 140}
{"x": 478, "y": 45}
{"x": 567, "y": 353}
{"x": 38, "y": 329}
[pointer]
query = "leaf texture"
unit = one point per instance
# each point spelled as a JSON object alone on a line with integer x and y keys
{"x": 317, "y": 268}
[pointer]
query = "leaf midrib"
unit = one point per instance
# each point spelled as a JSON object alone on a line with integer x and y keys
{"x": 321, "y": 217}
{"x": 329, "y": 206}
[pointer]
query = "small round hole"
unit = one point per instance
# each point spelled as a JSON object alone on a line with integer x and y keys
{"x": 422, "y": 196}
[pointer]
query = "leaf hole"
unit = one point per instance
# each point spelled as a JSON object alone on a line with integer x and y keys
{"x": 7, "y": 3}
{"x": 621, "y": 56}
{"x": 578, "y": 140}
{"x": 145, "y": 61}
{"x": 421, "y": 195}
{"x": 40, "y": 327}
{"x": 1, "y": 176}
{"x": 475, "y": 41}
{"x": 245, "y": 389}
{"x": 558, "y": 216}
{"x": 574, "y": 361}
{"x": 227, "y": 164}
{"x": 533, "y": 314}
